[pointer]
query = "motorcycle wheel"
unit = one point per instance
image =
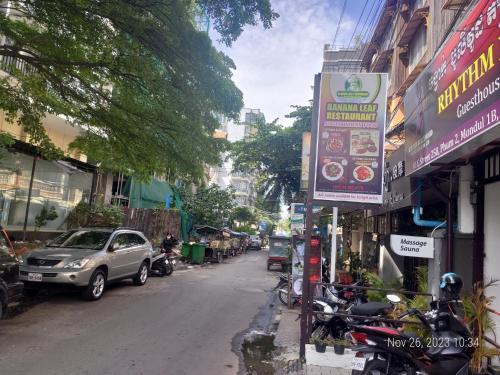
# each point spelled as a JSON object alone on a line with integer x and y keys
{"x": 378, "y": 367}
{"x": 283, "y": 296}
{"x": 319, "y": 331}
{"x": 168, "y": 269}
{"x": 161, "y": 268}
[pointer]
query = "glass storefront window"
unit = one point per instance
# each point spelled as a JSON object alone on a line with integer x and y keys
{"x": 56, "y": 184}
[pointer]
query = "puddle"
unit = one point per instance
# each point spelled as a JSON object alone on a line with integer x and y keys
{"x": 258, "y": 351}
{"x": 255, "y": 345}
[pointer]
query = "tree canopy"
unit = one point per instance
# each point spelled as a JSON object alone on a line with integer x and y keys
{"x": 209, "y": 205}
{"x": 243, "y": 215}
{"x": 136, "y": 75}
{"x": 275, "y": 153}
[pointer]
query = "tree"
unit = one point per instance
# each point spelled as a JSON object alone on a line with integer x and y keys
{"x": 243, "y": 215}
{"x": 209, "y": 205}
{"x": 275, "y": 153}
{"x": 136, "y": 75}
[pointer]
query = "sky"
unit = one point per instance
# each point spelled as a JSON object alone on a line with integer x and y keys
{"x": 275, "y": 68}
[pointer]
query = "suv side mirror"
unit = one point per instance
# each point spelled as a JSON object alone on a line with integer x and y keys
{"x": 114, "y": 246}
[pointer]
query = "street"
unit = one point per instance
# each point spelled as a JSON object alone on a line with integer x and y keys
{"x": 189, "y": 323}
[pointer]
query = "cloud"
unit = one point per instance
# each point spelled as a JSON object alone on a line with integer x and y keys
{"x": 275, "y": 68}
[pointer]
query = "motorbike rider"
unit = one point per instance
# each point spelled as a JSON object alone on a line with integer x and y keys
{"x": 169, "y": 242}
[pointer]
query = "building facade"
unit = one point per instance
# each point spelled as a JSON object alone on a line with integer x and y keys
{"x": 343, "y": 59}
{"x": 442, "y": 174}
{"x": 244, "y": 184}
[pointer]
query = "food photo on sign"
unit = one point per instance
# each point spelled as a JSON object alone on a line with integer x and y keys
{"x": 350, "y": 132}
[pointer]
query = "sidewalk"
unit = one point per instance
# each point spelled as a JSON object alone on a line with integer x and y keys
{"x": 287, "y": 339}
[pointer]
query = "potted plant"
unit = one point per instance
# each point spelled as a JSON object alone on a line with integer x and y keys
{"x": 319, "y": 343}
{"x": 477, "y": 307}
{"x": 339, "y": 346}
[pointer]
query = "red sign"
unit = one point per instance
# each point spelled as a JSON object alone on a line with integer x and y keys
{"x": 456, "y": 97}
{"x": 315, "y": 260}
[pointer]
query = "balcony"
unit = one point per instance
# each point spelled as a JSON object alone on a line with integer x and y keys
{"x": 417, "y": 17}
{"x": 385, "y": 18}
{"x": 11, "y": 65}
{"x": 455, "y": 4}
{"x": 380, "y": 60}
{"x": 413, "y": 75}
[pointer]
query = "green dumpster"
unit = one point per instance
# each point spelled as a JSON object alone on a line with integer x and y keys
{"x": 186, "y": 250}
{"x": 198, "y": 253}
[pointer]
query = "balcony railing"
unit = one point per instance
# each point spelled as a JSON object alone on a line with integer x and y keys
{"x": 15, "y": 66}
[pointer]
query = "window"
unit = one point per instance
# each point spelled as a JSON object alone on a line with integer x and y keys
{"x": 417, "y": 47}
{"x": 122, "y": 240}
{"x": 82, "y": 239}
{"x": 135, "y": 240}
{"x": 58, "y": 186}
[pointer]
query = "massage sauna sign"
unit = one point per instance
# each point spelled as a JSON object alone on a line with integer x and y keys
{"x": 411, "y": 246}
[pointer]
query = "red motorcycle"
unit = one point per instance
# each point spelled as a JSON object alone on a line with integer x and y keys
{"x": 448, "y": 351}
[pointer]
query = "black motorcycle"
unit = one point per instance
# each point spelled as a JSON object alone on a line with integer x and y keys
{"x": 352, "y": 310}
{"x": 162, "y": 264}
{"x": 447, "y": 351}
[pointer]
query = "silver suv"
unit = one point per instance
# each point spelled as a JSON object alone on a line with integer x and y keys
{"x": 89, "y": 258}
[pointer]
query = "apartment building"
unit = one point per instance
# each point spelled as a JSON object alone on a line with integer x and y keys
{"x": 28, "y": 182}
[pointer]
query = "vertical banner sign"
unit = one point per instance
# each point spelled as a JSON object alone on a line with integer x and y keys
{"x": 298, "y": 246}
{"x": 306, "y": 151}
{"x": 350, "y": 137}
{"x": 297, "y": 218}
{"x": 455, "y": 101}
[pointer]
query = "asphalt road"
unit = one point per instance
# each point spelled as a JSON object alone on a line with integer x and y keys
{"x": 189, "y": 323}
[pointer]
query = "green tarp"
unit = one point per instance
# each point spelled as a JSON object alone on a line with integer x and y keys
{"x": 147, "y": 194}
{"x": 155, "y": 194}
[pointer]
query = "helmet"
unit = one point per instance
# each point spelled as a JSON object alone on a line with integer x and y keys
{"x": 451, "y": 284}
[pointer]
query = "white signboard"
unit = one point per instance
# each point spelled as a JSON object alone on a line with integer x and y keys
{"x": 412, "y": 246}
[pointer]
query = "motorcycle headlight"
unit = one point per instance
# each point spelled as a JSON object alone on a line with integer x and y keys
{"x": 77, "y": 263}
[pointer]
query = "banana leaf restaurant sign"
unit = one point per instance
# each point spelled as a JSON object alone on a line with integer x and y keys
{"x": 454, "y": 105}
{"x": 350, "y": 137}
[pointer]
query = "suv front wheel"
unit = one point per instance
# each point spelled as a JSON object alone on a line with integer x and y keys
{"x": 96, "y": 286}
{"x": 142, "y": 275}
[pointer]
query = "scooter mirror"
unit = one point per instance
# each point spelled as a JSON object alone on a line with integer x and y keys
{"x": 393, "y": 298}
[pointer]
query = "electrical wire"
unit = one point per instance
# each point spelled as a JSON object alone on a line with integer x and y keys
{"x": 355, "y": 28}
{"x": 372, "y": 26}
{"x": 363, "y": 27}
{"x": 340, "y": 21}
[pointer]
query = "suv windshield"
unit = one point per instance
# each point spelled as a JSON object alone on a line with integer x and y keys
{"x": 82, "y": 239}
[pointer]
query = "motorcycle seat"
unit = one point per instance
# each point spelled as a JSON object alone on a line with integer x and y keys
{"x": 370, "y": 308}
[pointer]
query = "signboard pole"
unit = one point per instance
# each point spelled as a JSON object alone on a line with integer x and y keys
{"x": 333, "y": 257}
{"x": 306, "y": 289}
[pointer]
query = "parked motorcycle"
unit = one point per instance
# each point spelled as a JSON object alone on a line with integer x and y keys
{"x": 447, "y": 351}
{"x": 338, "y": 325}
{"x": 282, "y": 289}
{"x": 161, "y": 264}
